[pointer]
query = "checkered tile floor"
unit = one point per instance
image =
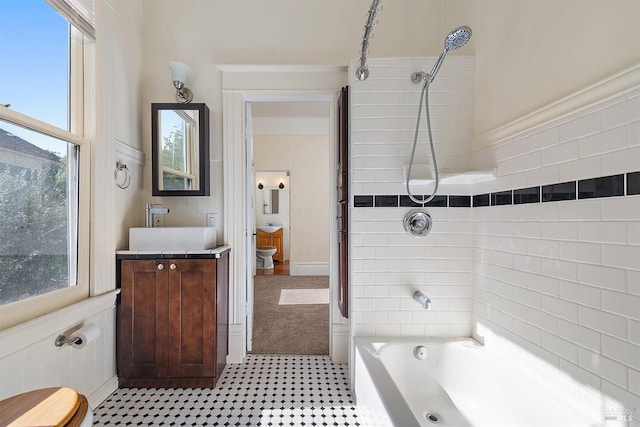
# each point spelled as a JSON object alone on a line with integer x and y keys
{"x": 265, "y": 390}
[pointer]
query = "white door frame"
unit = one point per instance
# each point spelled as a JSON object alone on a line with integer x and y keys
{"x": 250, "y": 222}
{"x": 275, "y": 84}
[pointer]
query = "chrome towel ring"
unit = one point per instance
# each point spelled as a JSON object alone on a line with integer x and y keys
{"x": 122, "y": 175}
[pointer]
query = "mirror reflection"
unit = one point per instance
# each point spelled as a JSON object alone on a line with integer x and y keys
{"x": 180, "y": 149}
{"x": 271, "y": 202}
{"x": 178, "y": 145}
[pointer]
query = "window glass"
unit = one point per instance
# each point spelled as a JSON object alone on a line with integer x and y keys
{"x": 38, "y": 207}
{"x": 34, "y": 61}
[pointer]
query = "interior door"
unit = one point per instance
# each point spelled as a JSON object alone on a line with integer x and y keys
{"x": 251, "y": 223}
{"x": 343, "y": 200}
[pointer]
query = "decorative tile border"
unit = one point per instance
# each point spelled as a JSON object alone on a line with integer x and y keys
{"x": 633, "y": 183}
{"x": 606, "y": 186}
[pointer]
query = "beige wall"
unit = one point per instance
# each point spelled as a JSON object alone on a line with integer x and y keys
{"x": 307, "y": 157}
{"x": 28, "y": 357}
{"x": 533, "y": 52}
{"x": 119, "y": 135}
{"x": 528, "y": 52}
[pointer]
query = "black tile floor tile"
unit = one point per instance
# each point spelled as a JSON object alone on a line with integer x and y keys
{"x": 265, "y": 390}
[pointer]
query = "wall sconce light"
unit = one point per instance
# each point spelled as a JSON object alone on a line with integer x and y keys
{"x": 260, "y": 186}
{"x": 281, "y": 186}
{"x": 179, "y": 76}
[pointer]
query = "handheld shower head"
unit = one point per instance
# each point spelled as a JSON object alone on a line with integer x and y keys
{"x": 457, "y": 38}
{"x": 454, "y": 40}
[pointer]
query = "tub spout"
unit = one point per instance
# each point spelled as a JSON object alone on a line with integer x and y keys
{"x": 422, "y": 299}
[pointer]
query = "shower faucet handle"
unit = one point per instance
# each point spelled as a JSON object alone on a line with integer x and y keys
{"x": 417, "y": 223}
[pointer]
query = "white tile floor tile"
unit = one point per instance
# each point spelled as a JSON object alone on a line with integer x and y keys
{"x": 265, "y": 390}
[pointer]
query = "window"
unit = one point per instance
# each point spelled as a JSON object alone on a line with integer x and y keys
{"x": 44, "y": 162}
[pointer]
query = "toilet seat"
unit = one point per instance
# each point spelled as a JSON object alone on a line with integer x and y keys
{"x": 54, "y": 406}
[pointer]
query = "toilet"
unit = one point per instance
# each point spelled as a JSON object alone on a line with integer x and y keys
{"x": 55, "y": 406}
{"x": 264, "y": 257}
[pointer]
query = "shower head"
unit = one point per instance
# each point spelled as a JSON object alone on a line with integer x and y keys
{"x": 457, "y": 38}
{"x": 454, "y": 40}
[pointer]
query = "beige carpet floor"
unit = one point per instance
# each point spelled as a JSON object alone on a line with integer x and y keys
{"x": 289, "y": 328}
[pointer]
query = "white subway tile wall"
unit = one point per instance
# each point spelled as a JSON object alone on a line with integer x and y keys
{"x": 383, "y": 119}
{"x": 554, "y": 286}
{"x": 582, "y": 256}
{"x": 387, "y": 264}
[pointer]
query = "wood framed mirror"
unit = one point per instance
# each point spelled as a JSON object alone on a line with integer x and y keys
{"x": 180, "y": 149}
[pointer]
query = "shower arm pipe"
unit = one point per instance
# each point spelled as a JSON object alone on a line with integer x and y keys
{"x": 362, "y": 72}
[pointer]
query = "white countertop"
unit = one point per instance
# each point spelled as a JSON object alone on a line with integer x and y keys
{"x": 216, "y": 252}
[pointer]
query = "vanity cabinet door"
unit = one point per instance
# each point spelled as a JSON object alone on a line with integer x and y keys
{"x": 142, "y": 332}
{"x": 192, "y": 318}
{"x": 277, "y": 240}
{"x": 263, "y": 239}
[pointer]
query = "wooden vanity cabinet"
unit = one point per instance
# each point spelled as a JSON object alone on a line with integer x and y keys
{"x": 274, "y": 239}
{"x": 172, "y": 322}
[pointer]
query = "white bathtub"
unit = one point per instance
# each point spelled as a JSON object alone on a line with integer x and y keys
{"x": 458, "y": 384}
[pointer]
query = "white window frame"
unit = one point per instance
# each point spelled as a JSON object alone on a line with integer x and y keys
{"x": 81, "y": 79}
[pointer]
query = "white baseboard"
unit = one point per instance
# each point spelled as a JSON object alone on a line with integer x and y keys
{"x": 309, "y": 268}
{"x": 100, "y": 395}
{"x": 339, "y": 343}
{"x": 236, "y": 343}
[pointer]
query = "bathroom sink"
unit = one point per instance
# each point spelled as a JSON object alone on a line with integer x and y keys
{"x": 171, "y": 238}
{"x": 269, "y": 228}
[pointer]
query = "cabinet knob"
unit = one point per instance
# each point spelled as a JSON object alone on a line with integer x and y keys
{"x": 173, "y": 266}
{"x": 160, "y": 266}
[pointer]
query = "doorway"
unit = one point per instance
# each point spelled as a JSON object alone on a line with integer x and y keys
{"x": 272, "y": 219}
{"x": 291, "y": 154}
{"x": 240, "y": 87}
